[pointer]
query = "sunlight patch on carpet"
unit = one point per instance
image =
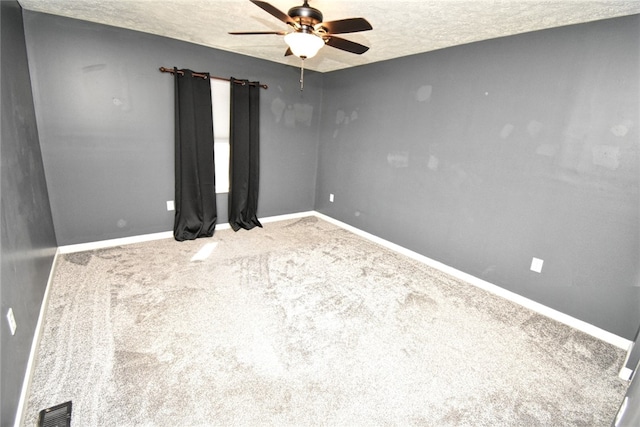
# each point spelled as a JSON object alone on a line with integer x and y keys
{"x": 204, "y": 252}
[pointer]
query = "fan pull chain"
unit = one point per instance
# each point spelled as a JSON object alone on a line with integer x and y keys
{"x": 301, "y": 73}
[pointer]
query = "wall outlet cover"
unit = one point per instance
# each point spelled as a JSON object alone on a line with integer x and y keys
{"x": 536, "y": 265}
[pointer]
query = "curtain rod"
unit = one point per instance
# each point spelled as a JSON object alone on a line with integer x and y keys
{"x": 170, "y": 70}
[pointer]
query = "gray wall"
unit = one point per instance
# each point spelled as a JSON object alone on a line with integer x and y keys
{"x": 485, "y": 155}
{"x": 27, "y": 243}
{"x": 105, "y": 117}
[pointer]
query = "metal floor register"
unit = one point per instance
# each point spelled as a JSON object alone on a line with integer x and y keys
{"x": 56, "y": 416}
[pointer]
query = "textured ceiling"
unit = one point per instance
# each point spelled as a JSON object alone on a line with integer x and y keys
{"x": 400, "y": 28}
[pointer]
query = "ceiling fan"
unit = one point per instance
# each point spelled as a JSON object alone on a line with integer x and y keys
{"x": 308, "y": 33}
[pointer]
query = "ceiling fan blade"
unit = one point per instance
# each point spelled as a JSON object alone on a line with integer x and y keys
{"x": 344, "y": 44}
{"x": 288, "y": 52}
{"x": 248, "y": 33}
{"x": 351, "y": 25}
{"x": 275, "y": 12}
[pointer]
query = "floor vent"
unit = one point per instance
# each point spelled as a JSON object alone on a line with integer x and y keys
{"x": 56, "y": 416}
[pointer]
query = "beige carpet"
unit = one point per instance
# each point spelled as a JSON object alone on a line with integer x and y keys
{"x": 304, "y": 323}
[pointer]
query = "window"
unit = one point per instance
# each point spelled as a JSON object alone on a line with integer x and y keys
{"x": 221, "y": 103}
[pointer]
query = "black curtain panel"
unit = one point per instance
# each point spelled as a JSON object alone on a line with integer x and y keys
{"x": 244, "y": 167}
{"x": 195, "y": 198}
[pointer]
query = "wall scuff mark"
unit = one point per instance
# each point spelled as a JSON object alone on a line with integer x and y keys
{"x": 433, "y": 162}
{"x": 277, "y": 108}
{"x": 303, "y": 113}
{"x": 423, "y": 94}
{"x": 534, "y": 128}
{"x": 398, "y": 159}
{"x": 547, "y": 150}
{"x": 606, "y": 156}
{"x": 622, "y": 129}
{"x": 506, "y": 130}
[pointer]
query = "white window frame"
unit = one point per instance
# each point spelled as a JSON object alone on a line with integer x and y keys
{"x": 221, "y": 105}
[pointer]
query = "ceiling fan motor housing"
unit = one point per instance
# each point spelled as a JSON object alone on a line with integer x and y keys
{"x": 306, "y": 15}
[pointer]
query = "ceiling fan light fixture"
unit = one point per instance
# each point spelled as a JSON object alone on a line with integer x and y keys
{"x": 304, "y": 45}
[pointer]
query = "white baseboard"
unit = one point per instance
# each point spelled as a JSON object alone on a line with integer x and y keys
{"x": 101, "y": 244}
{"x": 625, "y": 373}
{"x": 90, "y": 246}
{"x": 37, "y": 335}
{"x": 287, "y": 216}
{"x": 578, "y": 324}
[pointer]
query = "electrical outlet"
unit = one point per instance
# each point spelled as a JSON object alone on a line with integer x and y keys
{"x": 331, "y": 197}
{"x": 536, "y": 265}
{"x": 12, "y": 321}
{"x": 170, "y": 205}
